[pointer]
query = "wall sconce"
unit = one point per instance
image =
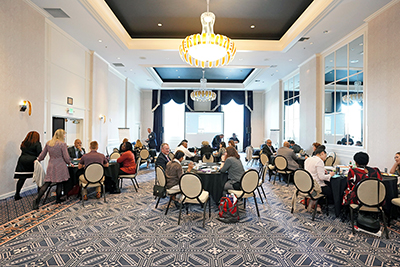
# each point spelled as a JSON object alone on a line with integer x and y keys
{"x": 103, "y": 118}
{"x": 24, "y": 104}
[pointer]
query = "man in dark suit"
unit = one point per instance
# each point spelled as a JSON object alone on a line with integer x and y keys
{"x": 217, "y": 140}
{"x": 268, "y": 149}
{"x": 76, "y": 151}
{"x": 151, "y": 139}
{"x": 163, "y": 157}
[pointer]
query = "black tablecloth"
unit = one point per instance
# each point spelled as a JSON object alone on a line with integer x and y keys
{"x": 111, "y": 174}
{"x": 214, "y": 184}
{"x": 339, "y": 184}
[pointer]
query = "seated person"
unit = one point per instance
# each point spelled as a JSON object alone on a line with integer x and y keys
{"x": 268, "y": 149}
{"x": 295, "y": 147}
{"x": 183, "y": 147}
{"x": 127, "y": 160}
{"x": 231, "y": 143}
{"x": 232, "y": 164}
{"x": 92, "y": 157}
{"x": 137, "y": 148}
{"x": 76, "y": 151}
{"x": 355, "y": 175}
{"x": 396, "y": 166}
{"x": 289, "y": 155}
{"x": 221, "y": 151}
{"x": 217, "y": 140}
{"x": 125, "y": 140}
{"x": 174, "y": 171}
{"x": 206, "y": 149}
{"x": 316, "y": 167}
{"x": 315, "y": 145}
{"x": 163, "y": 157}
{"x": 358, "y": 143}
{"x": 346, "y": 140}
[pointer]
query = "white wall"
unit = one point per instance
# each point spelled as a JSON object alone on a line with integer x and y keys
{"x": 22, "y": 70}
{"x": 257, "y": 119}
{"x": 272, "y": 111}
{"x": 133, "y": 110}
{"x": 309, "y": 71}
{"x": 383, "y": 92}
{"x": 146, "y": 114}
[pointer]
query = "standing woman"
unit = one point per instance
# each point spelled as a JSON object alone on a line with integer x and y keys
{"x": 30, "y": 150}
{"x": 57, "y": 170}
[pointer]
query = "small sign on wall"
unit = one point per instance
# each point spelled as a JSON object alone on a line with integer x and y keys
{"x": 70, "y": 101}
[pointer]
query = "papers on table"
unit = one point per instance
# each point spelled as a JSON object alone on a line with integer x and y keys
{"x": 329, "y": 168}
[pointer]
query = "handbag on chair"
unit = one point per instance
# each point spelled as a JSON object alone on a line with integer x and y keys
{"x": 159, "y": 191}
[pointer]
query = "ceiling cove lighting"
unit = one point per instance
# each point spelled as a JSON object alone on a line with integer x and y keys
{"x": 203, "y": 94}
{"x": 207, "y": 50}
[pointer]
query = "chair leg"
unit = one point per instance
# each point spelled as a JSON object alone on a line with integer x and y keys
{"x": 47, "y": 194}
{"x": 262, "y": 188}
{"x": 209, "y": 208}
{"x": 204, "y": 213}
{"x": 384, "y": 224}
{"x": 258, "y": 190}
{"x": 180, "y": 211}
{"x": 104, "y": 193}
{"x": 255, "y": 202}
{"x": 120, "y": 183}
{"x": 134, "y": 184}
{"x": 327, "y": 208}
{"x": 158, "y": 201}
{"x": 83, "y": 201}
{"x": 137, "y": 184}
{"x": 315, "y": 209}
{"x": 169, "y": 203}
{"x": 352, "y": 220}
{"x": 244, "y": 203}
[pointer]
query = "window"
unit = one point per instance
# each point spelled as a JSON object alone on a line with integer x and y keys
{"x": 233, "y": 122}
{"x": 291, "y": 106}
{"x": 174, "y": 123}
{"x": 344, "y": 82}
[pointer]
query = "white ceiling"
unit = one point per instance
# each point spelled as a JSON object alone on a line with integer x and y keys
{"x": 344, "y": 18}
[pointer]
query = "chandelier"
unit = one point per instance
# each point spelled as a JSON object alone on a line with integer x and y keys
{"x": 207, "y": 49}
{"x": 203, "y": 94}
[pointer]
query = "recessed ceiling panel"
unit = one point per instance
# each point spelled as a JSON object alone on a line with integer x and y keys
{"x": 216, "y": 75}
{"x": 234, "y": 18}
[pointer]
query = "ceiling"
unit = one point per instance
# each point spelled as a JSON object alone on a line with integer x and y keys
{"x": 131, "y": 36}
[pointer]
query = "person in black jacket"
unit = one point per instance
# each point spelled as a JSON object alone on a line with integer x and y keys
{"x": 76, "y": 151}
{"x": 163, "y": 157}
{"x": 206, "y": 149}
{"x": 151, "y": 139}
{"x": 268, "y": 149}
{"x": 217, "y": 140}
{"x": 30, "y": 150}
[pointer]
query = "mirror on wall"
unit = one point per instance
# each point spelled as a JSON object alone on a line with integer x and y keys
{"x": 344, "y": 94}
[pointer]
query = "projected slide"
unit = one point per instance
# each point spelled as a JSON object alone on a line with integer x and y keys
{"x": 202, "y": 126}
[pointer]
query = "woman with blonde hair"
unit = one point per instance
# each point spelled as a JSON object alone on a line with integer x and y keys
{"x": 30, "y": 150}
{"x": 206, "y": 149}
{"x": 57, "y": 170}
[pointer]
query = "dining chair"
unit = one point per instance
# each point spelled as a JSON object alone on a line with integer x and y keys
{"x": 210, "y": 159}
{"x": 371, "y": 194}
{"x": 94, "y": 176}
{"x": 193, "y": 193}
{"x": 250, "y": 157}
{"x": 329, "y": 161}
{"x": 248, "y": 184}
{"x": 143, "y": 156}
{"x": 281, "y": 164}
{"x": 133, "y": 176}
{"x": 262, "y": 172}
{"x": 305, "y": 187}
{"x": 115, "y": 155}
{"x": 161, "y": 181}
{"x": 333, "y": 155}
{"x": 171, "y": 156}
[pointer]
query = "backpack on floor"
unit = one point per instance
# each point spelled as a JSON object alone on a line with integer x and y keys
{"x": 228, "y": 210}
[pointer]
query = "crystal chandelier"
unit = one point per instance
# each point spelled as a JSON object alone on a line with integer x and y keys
{"x": 207, "y": 49}
{"x": 203, "y": 94}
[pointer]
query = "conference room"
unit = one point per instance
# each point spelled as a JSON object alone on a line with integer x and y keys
{"x": 308, "y": 71}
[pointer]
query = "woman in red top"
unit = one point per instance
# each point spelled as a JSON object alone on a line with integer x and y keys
{"x": 127, "y": 160}
{"x": 362, "y": 171}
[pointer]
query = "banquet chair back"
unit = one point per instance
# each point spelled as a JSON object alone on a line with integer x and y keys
{"x": 94, "y": 176}
{"x": 171, "y": 156}
{"x": 210, "y": 159}
{"x": 193, "y": 193}
{"x": 115, "y": 155}
{"x": 329, "y": 161}
{"x": 248, "y": 184}
{"x": 264, "y": 159}
{"x": 143, "y": 156}
{"x": 161, "y": 181}
{"x": 160, "y": 176}
{"x": 281, "y": 165}
{"x": 333, "y": 155}
{"x": 371, "y": 194}
{"x": 305, "y": 187}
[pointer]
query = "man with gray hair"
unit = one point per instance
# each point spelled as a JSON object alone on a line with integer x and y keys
{"x": 289, "y": 155}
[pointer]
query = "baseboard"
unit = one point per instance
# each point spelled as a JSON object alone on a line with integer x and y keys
{"x": 12, "y": 193}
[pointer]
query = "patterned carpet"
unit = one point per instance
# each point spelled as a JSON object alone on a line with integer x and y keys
{"x": 128, "y": 231}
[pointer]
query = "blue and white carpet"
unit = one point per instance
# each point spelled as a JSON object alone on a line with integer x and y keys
{"x": 129, "y": 231}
